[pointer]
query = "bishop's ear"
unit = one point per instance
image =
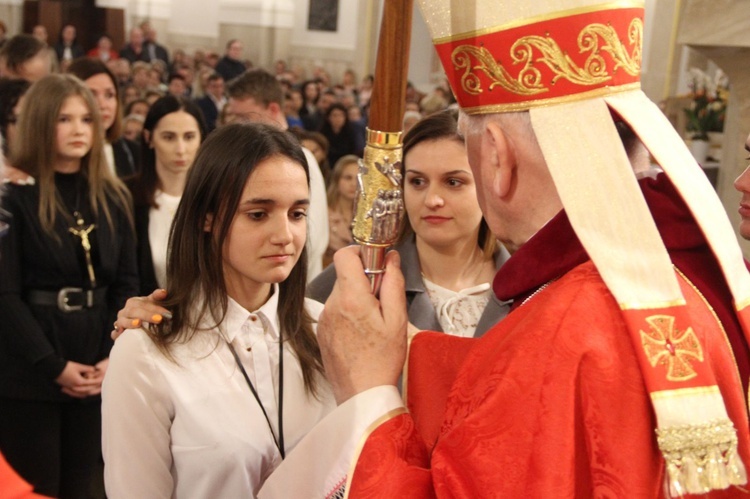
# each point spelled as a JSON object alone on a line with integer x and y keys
{"x": 499, "y": 158}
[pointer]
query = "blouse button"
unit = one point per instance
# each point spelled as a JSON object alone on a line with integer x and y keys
{"x": 253, "y": 318}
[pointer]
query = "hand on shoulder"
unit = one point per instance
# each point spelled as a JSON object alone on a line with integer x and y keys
{"x": 18, "y": 177}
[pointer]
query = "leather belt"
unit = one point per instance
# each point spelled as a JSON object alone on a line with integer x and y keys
{"x": 69, "y": 299}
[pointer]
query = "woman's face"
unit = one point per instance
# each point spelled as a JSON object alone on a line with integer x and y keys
{"x": 315, "y": 149}
{"x": 348, "y": 182}
{"x": 74, "y": 131}
{"x": 105, "y": 94}
{"x": 337, "y": 118}
{"x": 175, "y": 141}
{"x": 742, "y": 184}
{"x": 311, "y": 92}
{"x": 104, "y": 44}
{"x": 269, "y": 229}
{"x": 140, "y": 108}
{"x": 439, "y": 193}
{"x": 132, "y": 130}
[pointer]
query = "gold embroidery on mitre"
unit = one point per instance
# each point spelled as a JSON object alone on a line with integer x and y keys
{"x": 529, "y": 80}
{"x": 665, "y": 345}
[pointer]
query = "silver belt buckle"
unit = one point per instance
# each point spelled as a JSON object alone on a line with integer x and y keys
{"x": 62, "y": 300}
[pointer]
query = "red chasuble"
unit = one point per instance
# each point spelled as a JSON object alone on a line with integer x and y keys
{"x": 551, "y": 402}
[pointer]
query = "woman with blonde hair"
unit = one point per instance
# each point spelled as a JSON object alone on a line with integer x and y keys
{"x": 342, "y": 188}
{"x": 68, "y": 264}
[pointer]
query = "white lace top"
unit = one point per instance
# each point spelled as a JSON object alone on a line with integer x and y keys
{"x": 458, "y": 311}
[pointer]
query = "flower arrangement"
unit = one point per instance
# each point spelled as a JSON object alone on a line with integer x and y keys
{"x": 709, "y": 105}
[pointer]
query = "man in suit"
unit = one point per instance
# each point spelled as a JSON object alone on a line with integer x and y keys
{"x": 134, "y": 50}
{"x": 153, "y": 49}
{"x": 214, "y": 100}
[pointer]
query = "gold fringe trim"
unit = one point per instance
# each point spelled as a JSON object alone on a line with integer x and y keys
{"x": 701, "y": 458}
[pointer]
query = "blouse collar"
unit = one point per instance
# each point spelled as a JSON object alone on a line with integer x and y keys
{"x": 237, "y": 316}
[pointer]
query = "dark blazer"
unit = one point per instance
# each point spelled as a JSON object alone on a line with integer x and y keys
{"x": 146, "y": 273}
{"x": 37, "y": 340}
{"x": 229, "y": 68}
{"x": 159, "y": 51}
{"x": 128, "y": 53}
{"x": 420, "y": 309}
{"x": 127, "y": 157}
{"x": 209, "y": 110}
{"x": 75, "y": 50}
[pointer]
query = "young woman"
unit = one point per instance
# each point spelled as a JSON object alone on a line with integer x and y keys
{"x": 66, "y": 266}
{"x": 448, "y": 255}
{"x": 122, "y": 154}
{"x": 317, "y": 144}
{"x": 103, "y": 50}
{"x": 341, "y": 192}
{"x": 342, "y": 137}
{"x": 208, "y": 404}
{"x": 172, "y": 132}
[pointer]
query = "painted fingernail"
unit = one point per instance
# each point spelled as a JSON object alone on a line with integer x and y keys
{"x": 167, "y": 315}
{"x": 135, "y": 322}
{"x": 156, "y": 318}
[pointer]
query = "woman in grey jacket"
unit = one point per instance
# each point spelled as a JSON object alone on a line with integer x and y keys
{"x": 448, "y": 254}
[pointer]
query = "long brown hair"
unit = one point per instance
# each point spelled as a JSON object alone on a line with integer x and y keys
{"x": 442, "y": 126}
{"x": 35, "y": 150}
{"x": 195, "y": 270}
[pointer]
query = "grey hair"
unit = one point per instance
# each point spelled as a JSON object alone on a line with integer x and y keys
{"x": 517, "y": 124}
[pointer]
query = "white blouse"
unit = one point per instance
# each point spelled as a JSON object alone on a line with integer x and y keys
{"x": 458, "y": 311}
{"x": 192, "y": 428}
{"x": 159, "y": 223}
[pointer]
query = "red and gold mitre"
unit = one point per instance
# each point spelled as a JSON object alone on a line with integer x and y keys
{"x": 550, "y": 58}
{"x": 573, "y": 66}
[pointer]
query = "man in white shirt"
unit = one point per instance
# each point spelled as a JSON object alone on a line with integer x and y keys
{"x": 256, "y": 96}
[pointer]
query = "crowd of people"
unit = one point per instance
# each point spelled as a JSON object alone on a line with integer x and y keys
{"x": 196, "y": 203}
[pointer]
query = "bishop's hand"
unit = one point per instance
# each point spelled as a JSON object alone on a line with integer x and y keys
{"x": 363, "y": 338}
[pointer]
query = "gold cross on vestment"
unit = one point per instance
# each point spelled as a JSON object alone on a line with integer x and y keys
{"x": 665, "y": 345}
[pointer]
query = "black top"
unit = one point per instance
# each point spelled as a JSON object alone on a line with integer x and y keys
{"x": 141, "y": 213}
{"x": 209, "y": 110}
{"x": 229, "y": 68}
{"x": 76, "y": 51}
{"x": 37, "y": 340}
{"x": 342, "y": 143}
{"x": 127, "y": 157}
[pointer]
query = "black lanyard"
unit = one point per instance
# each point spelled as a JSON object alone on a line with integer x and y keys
{"x": 280, "y": 441}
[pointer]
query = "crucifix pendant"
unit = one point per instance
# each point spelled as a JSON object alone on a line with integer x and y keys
{"x": 83, "y": 233}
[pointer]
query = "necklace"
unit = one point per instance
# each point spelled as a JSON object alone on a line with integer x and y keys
{"x": 82, "y": 231}
{"x": 280, "y": 440}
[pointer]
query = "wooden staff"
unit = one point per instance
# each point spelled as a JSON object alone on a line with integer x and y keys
{"x": 379, "y": 205}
